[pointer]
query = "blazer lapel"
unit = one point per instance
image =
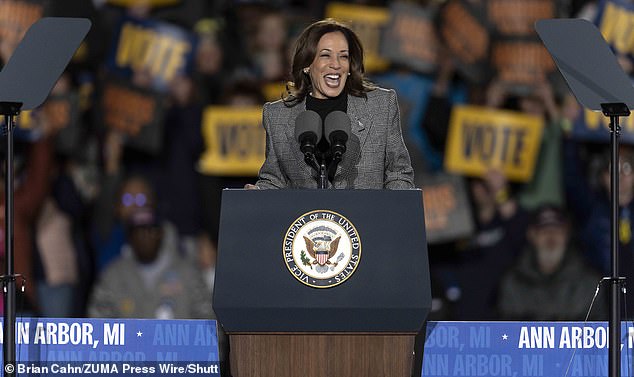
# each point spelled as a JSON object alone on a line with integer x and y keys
{"x": 360, "y": 123}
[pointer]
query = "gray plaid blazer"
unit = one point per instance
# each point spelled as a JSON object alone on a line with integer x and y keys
{"x": 376, "y": 156}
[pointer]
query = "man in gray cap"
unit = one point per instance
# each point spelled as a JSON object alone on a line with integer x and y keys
{"x": 550, "y": 280}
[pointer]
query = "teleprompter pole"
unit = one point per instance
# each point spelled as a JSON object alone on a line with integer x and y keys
{"x": 614, "y": 111}
{"x": 9, "y": 110}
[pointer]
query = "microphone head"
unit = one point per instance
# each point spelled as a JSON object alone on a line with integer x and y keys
{"x": 307, "y": 124}
{"x": 337, "y": 125}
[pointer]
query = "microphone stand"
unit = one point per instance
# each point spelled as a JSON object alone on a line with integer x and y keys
{"x": 323, "y": 176}
{"x": 332, "y": 169}
{"x": 311, "y": 160}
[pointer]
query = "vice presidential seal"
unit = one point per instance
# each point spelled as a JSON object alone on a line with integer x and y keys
{"x": 322, "y": 249}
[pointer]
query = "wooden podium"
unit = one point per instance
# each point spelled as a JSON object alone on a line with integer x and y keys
{"x": 321, "y": 355}
{"x": 360, "y": 322}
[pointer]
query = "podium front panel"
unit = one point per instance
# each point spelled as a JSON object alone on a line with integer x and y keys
{"x": 255, "y": 291}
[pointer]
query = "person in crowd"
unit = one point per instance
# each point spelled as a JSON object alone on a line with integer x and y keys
{"x": 500, "y": 228}
{"x": 118, "y": 197}
{"x": 550, "y": 280}
{"x": 182, "y": 147}
{"x": 546, "y": 186}
{"x": 210, "y": 71}
{"x": 328, "y": 75}
{"x": 591, "y": 207}
{"x": 62, "y": 261}
{"x": 446, "y": 91}
{"x": 268, "y": 46}
{"x": 58, "y": 254}
{"x": 33, "y": 163}
{"x": 238, "y": 93}
{"x": 206, "y": 259}
{"x": 149, "y": 279}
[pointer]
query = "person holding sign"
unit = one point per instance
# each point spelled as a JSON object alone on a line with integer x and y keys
{"x": 328, "y": 75}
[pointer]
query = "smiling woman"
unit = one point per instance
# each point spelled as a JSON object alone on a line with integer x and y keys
{"x": 327, "y": 75}
{"x": 327, "y": 47}
{"x": 330, "y": 69}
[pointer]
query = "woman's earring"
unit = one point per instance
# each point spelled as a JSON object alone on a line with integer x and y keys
{"x": 306, "y": 70}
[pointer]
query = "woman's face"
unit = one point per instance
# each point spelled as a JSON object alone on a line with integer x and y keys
{"x": 331, "y": 66}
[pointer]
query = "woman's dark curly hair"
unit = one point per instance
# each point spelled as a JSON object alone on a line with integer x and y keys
{"x": 305, "y": 51}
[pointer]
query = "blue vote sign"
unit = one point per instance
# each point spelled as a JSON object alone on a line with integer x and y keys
{"x": 155, "y": 49}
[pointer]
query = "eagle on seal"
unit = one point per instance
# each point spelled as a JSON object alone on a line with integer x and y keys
{"x": 322, "y": 251}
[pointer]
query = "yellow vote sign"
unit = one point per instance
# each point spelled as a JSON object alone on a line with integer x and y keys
{"x": 368, "y": 23}
{"x": 481, "y": 138}
{"x": 235, "y": 141}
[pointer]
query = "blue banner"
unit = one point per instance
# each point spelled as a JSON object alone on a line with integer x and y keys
{"x": 522, "y": 349}
{"x": 51, "y": 346}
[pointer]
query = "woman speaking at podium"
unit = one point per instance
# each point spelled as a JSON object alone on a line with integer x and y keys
{"x": 327, "y": 76}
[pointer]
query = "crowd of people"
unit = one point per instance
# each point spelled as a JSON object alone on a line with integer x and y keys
{"x": 108, "y": 230}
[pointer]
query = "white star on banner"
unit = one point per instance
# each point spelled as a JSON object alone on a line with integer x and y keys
{"x": 139, "y": 334}
{"x": 505, "y": 337}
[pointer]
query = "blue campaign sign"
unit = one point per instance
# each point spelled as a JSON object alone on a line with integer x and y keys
{"x": 156, "y": 50}
{"x": 522, "y": 349}
{"x": 52, "y": 346}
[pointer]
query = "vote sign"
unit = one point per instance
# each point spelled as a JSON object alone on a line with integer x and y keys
{"x": 235, "y": 142}
{"x": 481, "y": 139}
{"x": 155, "y": 48}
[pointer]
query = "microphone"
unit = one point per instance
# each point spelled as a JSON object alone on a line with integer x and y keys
{"x": 308, "y": 131}
{"x": 337, "y": 129}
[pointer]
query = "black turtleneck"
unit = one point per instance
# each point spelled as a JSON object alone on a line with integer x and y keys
{"x": 323, "y": 107}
